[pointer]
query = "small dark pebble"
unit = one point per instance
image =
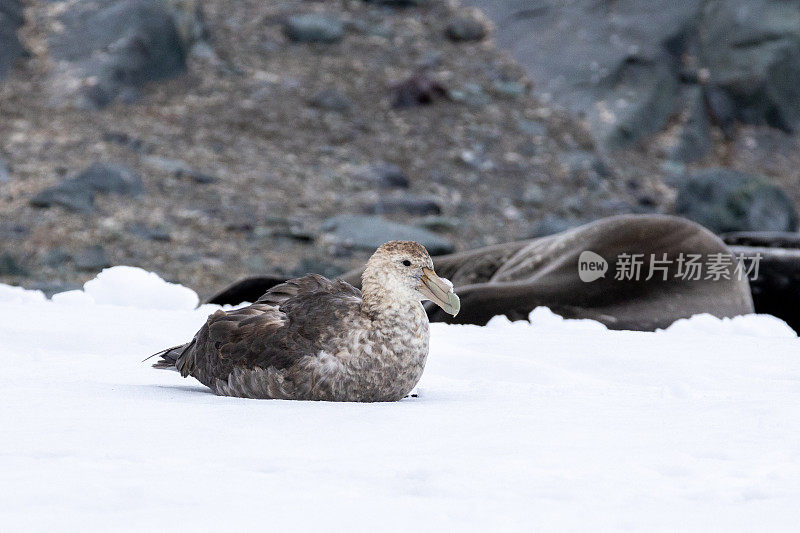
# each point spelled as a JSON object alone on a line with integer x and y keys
{"x": 314, "y": 28}
{"x": 418, "y": 89}
{"x": 465, "y": 29}
{"x": 331, "y": 100}
{"x": 385, "y": 176}
{"x": 158, "y": 233}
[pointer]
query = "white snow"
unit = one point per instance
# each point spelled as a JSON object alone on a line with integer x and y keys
{"x": 554, "y": 425}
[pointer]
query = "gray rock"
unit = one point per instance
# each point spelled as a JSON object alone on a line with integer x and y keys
{"x": 151, "y": 233}
{"x": 724, "y": 200}
{"x": 532, "y": 127}
{"x": 179, "y": 169}
{"x": 674, "y": 171}
{"x": 119, "y": 45}
{"x": 472, "y": 95}
{"x": 132, "y": 143}
{"x": 92, "y": 259}
{"x": 612, "y": 62}
{"x": 384, "y": 175}
{"x": 314, "y": 28}
{"x": 10, "y": 266}
{"x": 585, "y": 167}
{"x": 751, "y": 51}
{"x": 331, "y": 100}
{"x": 528, "y": 148}
{"x": 465, "y": 29}
{"x": 11, "y": 49}
{"x": 695, "y": 137}
{"x": 618, "y": 63}
{"x": 71, "y": 195}
{"x": 5, "y": 175}
{"x": 509, "y": 89}
{"x": 165, "y": 164}
{"x": 408, "y": 204}
{"x": 77, "y": 193}
{"x": 398, "y": 3}
{"x": 438, "y": 223}
{"x": 533, "y": 194}
{"x": 317, "y": 266}
{"x": 56, "y": 257}
{"x": 111, "y": 179}
{"x": 12, "y": 11}
{"x": 368, "y": 232}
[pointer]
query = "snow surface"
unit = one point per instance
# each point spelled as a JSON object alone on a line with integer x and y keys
{"x": 550, "y": 425}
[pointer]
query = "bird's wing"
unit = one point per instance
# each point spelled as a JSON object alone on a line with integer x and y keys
{"x": 308, "y": 285}
{"x": 292, "y": 320}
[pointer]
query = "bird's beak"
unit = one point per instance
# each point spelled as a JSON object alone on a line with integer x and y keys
{"x": 439, "y": 291}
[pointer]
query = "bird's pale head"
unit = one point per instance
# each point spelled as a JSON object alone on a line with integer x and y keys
{"x": 404, "y": 270}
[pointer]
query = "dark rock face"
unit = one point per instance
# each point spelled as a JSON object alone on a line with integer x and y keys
{"x": 751, "y": 49}
{"x": 725, "y": 200}
{"x": 314, "y": 28}
{"x": 608, "y": 61}
{"x": 11, "y": 49}
{"x": 77, "y": 193}
{"x": 121, "y": 46}
{"x": 369, "y": 232}
{"x": 627, "y": 65}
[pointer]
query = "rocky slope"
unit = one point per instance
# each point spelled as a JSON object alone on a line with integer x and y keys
{"x": 210, "y": 144}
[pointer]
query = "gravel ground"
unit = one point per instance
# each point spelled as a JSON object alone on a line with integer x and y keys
{"x": 495, "y": 160}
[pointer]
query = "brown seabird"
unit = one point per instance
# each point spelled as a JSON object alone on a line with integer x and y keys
{"x": 316, "y": 339}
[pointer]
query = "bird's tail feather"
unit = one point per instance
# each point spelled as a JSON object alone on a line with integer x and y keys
{"x": 169, "y": 357}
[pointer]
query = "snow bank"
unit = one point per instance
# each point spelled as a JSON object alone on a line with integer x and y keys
{"x": 133, "y": 287}
{"x": 550, "y": 425}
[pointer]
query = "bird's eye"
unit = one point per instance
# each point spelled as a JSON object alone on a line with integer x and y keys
{"x": 407, "y": 263}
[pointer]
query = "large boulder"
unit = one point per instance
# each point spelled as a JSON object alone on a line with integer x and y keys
{"x": 368, "y": 232}
{"x": 77, "y": 193}
{"x": 10, "y": 47}
{"x": 611, "y": 62}
{"x": 626, "y": 65}
{"x": 724, "y": 200}
{"x": 118, "y": 46}
{"x": 751, "y": 51}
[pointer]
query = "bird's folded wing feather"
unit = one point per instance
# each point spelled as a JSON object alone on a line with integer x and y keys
{"x": 292, "y": 320}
